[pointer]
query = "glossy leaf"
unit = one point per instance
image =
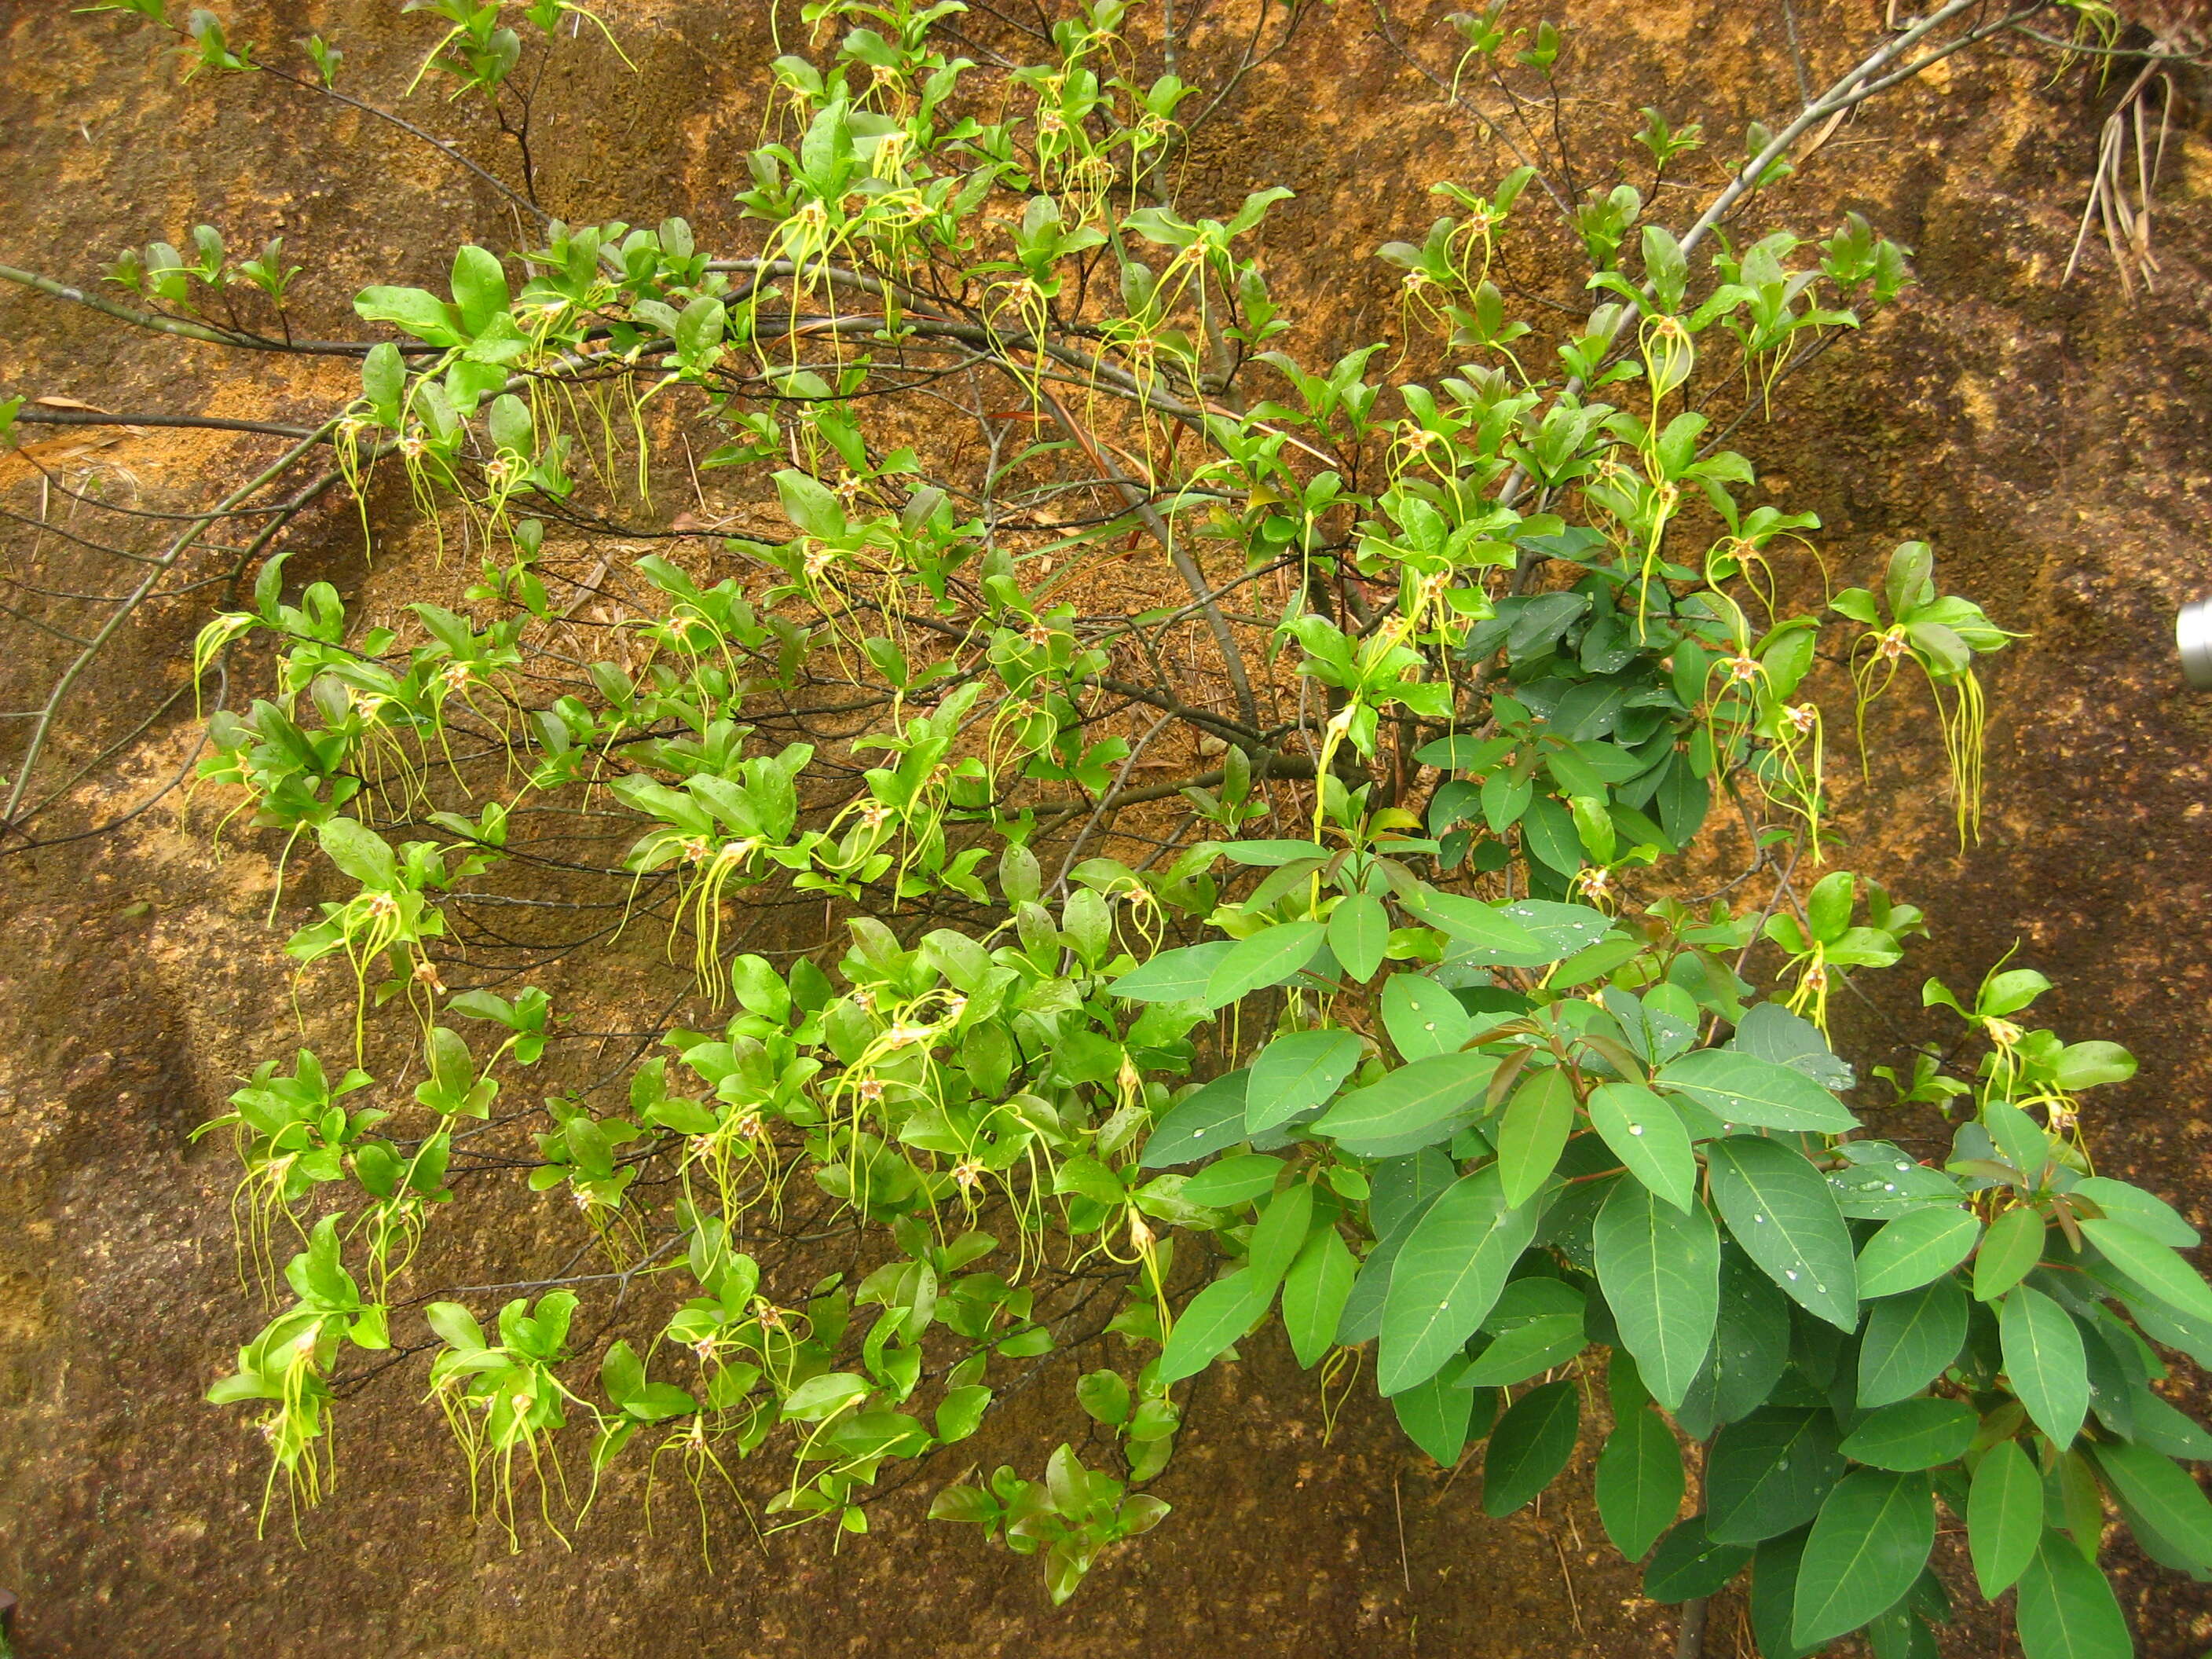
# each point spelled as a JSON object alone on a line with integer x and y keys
{"x": 1779, "y": 1207}
{"x": 1739, "y": 1088}
{"x": 1647, "y": 1135}
{"x": 1216, "y": 1317}
{"x": 1914, "y": 1249}
{"x": 1447, "y": 1276}
{"x": 1297, "y": 1073}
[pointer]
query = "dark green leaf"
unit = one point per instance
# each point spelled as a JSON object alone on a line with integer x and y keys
{"x": 1410, "y": 1099}
{"x": 2163, "y": 1493}
{"x": 1199, "y": 1125}
{"x": 1174, "y": 976}
{"x": 1769, "y": 1473}
{"x": 1689, "y": 1563}
{"x": 1436, "y": 1416}
{"x": 1295, "y": 1073}
{"x": 1639, "y": 1481}
{"x": 1774, "y": 1596}
{"x": 1529, "y": 1447}
{"x": 1913, "y": 1434}
{"x": 1739, "y": 1088}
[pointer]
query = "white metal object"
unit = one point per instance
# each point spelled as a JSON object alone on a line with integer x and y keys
{"x": 2192, "y": 637}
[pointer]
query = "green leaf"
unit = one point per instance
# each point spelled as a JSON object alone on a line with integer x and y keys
{"x": 1646, "y": 1134}
{"x": 2146, "y": 1214}
{"x": 1281, "y": 1232}
{"x": 2153, "y": 1266}
{"x": 1174, "y": 976}
{"x": 2004, "y": 1516}
{"x": 1268, "y": 957}
{"x": 1201, "y": 1124}
{"x": 1774, "y": 1596}
{"x": 2066, "y": 1609}
{"x": 2010, "y": 1249}
{"x": 1779, "y": 1207}
{"x": 1910, "y": 1340}
{"x": 422, "y": 314}
{"x": 1296, "y": 1072}
{"x": 1525, "y": 1348}
{"x": 1769, "y": 1473}
{"x": 1869, "y": 1544}
{"x": 1537, "y": 1121}
{"x": 479, "y": 286}
{"x": 1484, "y": 932}
{"x": 1689, "y": 1563}
{"x": 1639, "y": 1481}
{"x": 1660, "y": 1271}
{"x": 1411, "y": 1098}
{"x": 1914, "y": 1249}
{"x": 1437, "y": 1416}
{"x": 1215, "y": 1318}
{"x": 1530, "y": 1445}
{"x": 1423, "y": 1018}
{"x": 1447, "y": 1276}
{"x": 2045, "y": 1361}
{"x": 1313, "y": 1294}
{"x": 1739, "y": 1088}
{"x": 1359, "y": 931}
{"x": 1913, "y": 1434}
{"x": 2156, "y": 1487}
{"x": 1217, "y": 1186}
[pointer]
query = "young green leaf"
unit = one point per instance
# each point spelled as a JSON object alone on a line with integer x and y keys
{"x": 2152, "y": 1264}
{"x": 1216, "y": 1317}
{"x": 1436, "y": 1416}
{"x": 1313, "y": 1294}
{"x": 2010, "y": 1249}
{"x": 1267, "y": 957}
{"x": 1423, "y": 1018}
{"x": 1538, "y": 1120}
{"x": 1359, "y": 931}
